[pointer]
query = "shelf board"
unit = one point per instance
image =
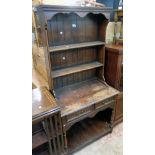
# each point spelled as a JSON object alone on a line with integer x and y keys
{"x": 39, "y": 139}
{"x": 85, "y": 132}
{"x": 77, "y": 45}
{"x": 75, "y": 69}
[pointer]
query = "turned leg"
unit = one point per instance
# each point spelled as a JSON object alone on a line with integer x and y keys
{"x": 112, "y": 118}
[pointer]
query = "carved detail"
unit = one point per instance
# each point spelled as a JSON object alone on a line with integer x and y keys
{"x": 80, "y": 14}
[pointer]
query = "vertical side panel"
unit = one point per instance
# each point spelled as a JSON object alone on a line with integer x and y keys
{"x": 101, "y": 59}
{"x": 54, "y": 30}
{"x": 49, "y": 27}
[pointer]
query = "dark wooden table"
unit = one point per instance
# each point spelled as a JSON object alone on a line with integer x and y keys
{"x": 47, "y": 131}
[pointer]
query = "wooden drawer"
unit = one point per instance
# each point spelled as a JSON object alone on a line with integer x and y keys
{"x": 79, "y": 113}
{"x": 103, "y": 103}
{"x": 83, "y": 113}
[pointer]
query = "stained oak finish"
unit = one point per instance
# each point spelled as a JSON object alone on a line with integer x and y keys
{"x": 74, "y": 57}
{"x": 73, "y": 40}
{"x": 47, "y": 131}
{"x": 78, "y": 96}
{"x": 39, "y": 139}
{"x": 114, "y": 66}
{"x": 75, "y": 69}
{"x": 114, "y": 75}
{"x": 119, "y": 109}
{"x": 79, "y": 37}
{"x": 87, "y": 130}
{"x": 75, "y": 46}
{"x": 43, "y": 103}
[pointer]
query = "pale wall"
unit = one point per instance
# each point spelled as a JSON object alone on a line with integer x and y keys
{"x": 110, "y": 31}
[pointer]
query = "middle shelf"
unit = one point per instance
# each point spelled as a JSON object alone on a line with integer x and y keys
{"x": 75, "y": 69}
{"x": 76, "y": 45}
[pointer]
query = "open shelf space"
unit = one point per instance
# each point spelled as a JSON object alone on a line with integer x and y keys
{"x": 85, "y": 131}
{"x": 39, "y": 139}
{"x": 75, "y": 69}
{"x": 42, "y": 150}
{"x": 76, "y": 45}
{"x": 83, "y": 94}
{"x": 42, "y": 153}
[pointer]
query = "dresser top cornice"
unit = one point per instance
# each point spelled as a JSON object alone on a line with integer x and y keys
{"x": 72, "y": 8}
{"x": 81, "y": 11}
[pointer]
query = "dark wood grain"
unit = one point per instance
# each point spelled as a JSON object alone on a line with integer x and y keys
{"x": 74, "y": 43}
{"x": 47, "y": 131}
{"x": 73, "y": 57}
{"x": 77, "y": 77}
{"x": 83, "y": 94}
{"x": 114, "y": 76}
{"x": 119, "y": 109}
{"x": 84, "y": 132}
{"x": 113, "y": 66}
{"x": 63, "y": 29}
{"x": 75, "y": 69}
{"x": 43, "y": 103}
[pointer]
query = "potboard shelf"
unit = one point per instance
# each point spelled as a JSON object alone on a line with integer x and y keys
{"x": 75, "y": 69}
{"x": 83, "y": 132}
{"x": 76, "y": 45}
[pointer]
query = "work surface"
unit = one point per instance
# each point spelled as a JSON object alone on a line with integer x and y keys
{"x": 78, "y": 96}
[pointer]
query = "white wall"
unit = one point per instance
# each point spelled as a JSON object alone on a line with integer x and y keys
{"x": 110, "y": 31}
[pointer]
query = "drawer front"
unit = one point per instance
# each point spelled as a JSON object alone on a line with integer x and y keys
{"x": 103, "y": 103}
{"x": 79, "y": 113}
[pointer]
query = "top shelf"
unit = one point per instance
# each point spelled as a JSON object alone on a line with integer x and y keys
{"x": 76, "y": 45}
